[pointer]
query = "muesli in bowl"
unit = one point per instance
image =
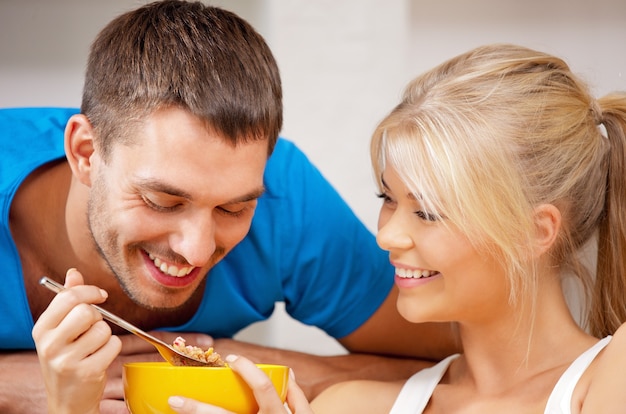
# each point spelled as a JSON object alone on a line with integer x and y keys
{"x": 210, "y": 357}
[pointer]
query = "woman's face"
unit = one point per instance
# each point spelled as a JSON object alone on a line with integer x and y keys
{"x": 440, "y": 275}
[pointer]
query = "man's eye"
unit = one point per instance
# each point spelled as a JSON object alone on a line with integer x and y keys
{"x": 232, "y": 212}
{"x": 156, "y": 206}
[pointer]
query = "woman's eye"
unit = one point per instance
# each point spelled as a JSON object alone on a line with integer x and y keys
{"x": 427, "y": 216}
{"x": 386, "y": 199}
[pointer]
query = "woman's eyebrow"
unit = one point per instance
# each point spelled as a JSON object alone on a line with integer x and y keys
{"x": 382, "y": 180}
{"x": 411, "y": 196}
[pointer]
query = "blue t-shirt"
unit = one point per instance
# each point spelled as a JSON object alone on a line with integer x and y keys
{"x": 305, "y": 246}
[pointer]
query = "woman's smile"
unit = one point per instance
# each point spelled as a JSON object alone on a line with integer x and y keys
{"x": 406, "y": 278}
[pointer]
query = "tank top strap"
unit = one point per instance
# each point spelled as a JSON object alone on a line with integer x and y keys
{"x": 560, "y": 401}
{"x": 418, "y": 389}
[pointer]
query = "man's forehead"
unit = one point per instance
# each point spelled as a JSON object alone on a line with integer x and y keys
{"x": 174, "y": 117}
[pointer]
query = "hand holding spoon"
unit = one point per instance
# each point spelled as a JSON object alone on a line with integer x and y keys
{"x": 169, "y": 353}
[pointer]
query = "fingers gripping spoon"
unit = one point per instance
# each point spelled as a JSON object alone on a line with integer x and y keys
{"x": 169, "y": 353}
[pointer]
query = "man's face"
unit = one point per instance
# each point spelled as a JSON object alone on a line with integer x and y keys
{"x": 168, "y": 207}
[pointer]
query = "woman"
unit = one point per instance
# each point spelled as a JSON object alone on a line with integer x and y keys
{"x": 495, "y": 170}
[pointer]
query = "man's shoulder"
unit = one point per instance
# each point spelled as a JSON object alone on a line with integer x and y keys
{"x": 290, "y": 171}
{"x": 286, "y": 153}
{"x": 29, "y": 138}
{"x": 36, "y": 117}
{"x": 36, "y": 128}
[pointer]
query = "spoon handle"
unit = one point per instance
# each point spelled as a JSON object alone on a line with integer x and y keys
{"x": 57, "y": 287}
{"x": 169, "y": 353}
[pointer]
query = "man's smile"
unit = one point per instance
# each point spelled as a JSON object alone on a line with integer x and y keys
{"x": 170, "y": 269}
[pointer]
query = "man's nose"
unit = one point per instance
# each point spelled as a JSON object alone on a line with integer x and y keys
{"x": 195, "y": 239}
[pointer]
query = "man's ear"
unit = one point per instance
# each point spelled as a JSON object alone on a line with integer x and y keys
{"x": 548, "y": 226}
{"x": 79, "y": 147}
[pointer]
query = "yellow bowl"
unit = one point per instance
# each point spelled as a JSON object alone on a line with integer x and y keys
{"x": 148, "y": 385}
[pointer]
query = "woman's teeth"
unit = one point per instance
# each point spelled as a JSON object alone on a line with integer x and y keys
{"x": 170, "y": 269}
{"x": 414, "y": 274}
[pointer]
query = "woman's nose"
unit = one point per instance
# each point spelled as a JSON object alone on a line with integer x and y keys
{"x": 393, "y": 233}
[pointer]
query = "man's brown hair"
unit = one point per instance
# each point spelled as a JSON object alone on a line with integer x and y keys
{"x": 202, "y": 59}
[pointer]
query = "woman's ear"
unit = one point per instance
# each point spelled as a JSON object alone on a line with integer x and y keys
{"x": 548, "y": 226}
{"x": 79, "y": 147}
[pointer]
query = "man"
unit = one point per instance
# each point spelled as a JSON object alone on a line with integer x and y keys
{"x": 150, "y": 192}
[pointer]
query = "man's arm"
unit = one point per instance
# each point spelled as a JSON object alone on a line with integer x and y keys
{"x": 22, "y": 389}
{"x": 385, "y": 348}
{"x": 315, "y": 373}
{"x": 386, "y": 332}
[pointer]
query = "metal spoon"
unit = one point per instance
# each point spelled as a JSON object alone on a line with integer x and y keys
{"x": 171, "y": 355}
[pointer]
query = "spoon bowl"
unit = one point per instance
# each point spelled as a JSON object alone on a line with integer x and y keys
{"x": 168, "y": 352}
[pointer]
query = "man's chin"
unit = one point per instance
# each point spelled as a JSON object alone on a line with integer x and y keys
{"x": 162, "y": 307}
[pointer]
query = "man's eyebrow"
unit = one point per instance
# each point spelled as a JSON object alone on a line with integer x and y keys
{"x": 252, "y": 195}
{"x": 161, "y": 187}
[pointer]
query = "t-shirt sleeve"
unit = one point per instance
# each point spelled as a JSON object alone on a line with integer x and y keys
{"x": 335, "y": 275}
{"x": 29, "y": 138}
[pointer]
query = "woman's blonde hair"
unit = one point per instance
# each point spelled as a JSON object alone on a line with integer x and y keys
{"x": 486, "y": 137}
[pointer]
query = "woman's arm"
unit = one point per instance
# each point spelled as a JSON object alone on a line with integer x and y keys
{"x": 608, "y": 380}
{"x": 363, "y": 397}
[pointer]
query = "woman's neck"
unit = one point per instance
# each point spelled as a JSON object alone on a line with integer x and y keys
{"x": 518, "y": 344}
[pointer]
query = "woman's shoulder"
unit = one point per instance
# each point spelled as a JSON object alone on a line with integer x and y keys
{"x": 359, "y": 396}
{"x": 607, "y": 380}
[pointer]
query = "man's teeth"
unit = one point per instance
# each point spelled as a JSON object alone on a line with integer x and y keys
{"x": 414, "y": 274}
{"x": 170, "y": 270}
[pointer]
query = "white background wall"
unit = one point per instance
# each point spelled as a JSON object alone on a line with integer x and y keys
{"x": 343, "y": 64}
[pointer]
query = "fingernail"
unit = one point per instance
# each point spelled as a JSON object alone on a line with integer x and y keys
{"x": 292, "y": 375}
{"x": 231, "y": 358}
{"x": 175, "y": 402}
{"x": 205, "y": 341}
{"x": 104, "y": 293}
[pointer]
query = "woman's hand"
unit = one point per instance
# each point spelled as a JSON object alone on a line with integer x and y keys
{"x": 262, "y": 387}
{"x": 75, "y": 347}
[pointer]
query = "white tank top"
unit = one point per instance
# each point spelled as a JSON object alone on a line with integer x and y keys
{"x": 417, "y": 391}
